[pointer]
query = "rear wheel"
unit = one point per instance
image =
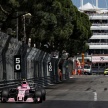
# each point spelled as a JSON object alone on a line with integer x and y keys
{"x": 4, "y": 96}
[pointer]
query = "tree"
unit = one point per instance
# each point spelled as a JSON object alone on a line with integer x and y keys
{"x": 81, "y": 33}
{"x": 56, "y": 23}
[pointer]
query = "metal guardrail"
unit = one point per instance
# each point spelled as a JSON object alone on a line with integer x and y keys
{"x": 42, "y": 81}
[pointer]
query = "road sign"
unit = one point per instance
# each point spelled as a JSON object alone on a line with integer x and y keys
{"x": 17, "y": 63}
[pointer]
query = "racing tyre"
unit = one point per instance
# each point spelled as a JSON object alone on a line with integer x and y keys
{"x": 44, "y": 97}
{"x": 4, "y": 96}
{"x": 43, "y": 94}
{"x": 38, "y": 96}
{"x": 26, "y": 95}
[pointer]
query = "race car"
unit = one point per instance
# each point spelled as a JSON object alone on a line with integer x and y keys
{"x": 23, "y": 93}
{"x": 106, "y": 71}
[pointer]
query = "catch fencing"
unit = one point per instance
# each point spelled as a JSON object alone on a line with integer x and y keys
{"x": 36, "y": 64}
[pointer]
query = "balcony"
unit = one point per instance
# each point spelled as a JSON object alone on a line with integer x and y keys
{"x": 98, "y": 36}
{"x": 97, "y": 14}
{"x": 99, "y": 28}
{"x": 100, "y": 33}
{"x": 98, "y": 17}
{"x": 98, "y": 45}
{"x": 98, "y": 24}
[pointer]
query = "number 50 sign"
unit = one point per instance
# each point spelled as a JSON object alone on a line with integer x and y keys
{"x": 17, "y": 63}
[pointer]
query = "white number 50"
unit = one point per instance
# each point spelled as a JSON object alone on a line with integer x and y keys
{"x": 17, "y": 60}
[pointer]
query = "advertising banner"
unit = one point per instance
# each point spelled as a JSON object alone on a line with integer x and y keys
{"x": 100, "y": 59}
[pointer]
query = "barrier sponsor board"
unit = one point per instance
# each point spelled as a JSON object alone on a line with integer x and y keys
{"x": 100, "y": 59}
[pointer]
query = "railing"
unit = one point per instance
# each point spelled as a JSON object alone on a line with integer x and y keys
{"x": 100, "y": 33}
{"x": 96, "y": 14}
{"x": 97, "y": 43}
{"x": 98, "y": 24}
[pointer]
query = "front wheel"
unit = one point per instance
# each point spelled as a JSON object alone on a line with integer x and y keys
{"x": 39, "y": 100}
{"x": 38, "y": 96}
{"x": 43, "y": 94}
{"x": 44, "y": 97}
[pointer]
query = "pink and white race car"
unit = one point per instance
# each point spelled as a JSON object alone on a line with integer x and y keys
{"x": 23, "y": 93}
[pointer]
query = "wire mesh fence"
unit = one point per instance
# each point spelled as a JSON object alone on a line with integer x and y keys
{"x": 35, "y": 63}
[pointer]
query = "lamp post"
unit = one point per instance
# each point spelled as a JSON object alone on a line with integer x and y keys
{"x": 28, "y": 15}
{"x": 17, "y": 27}
{"x": 23, "y": 73}
{"x": 29, "y": 42}
{"x": 24, "y": 29}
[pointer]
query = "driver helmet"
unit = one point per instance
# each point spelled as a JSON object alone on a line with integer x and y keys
{"x": 24, "y": 84}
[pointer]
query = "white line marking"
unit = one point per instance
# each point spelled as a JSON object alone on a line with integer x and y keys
{"x": 95, "y": 96}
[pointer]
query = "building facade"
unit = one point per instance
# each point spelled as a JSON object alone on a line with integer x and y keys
{"x": 98, "y": 43}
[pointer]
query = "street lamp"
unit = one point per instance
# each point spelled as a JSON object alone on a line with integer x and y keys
{"x": 17, "y": 26}
{"x": 27, "y": 15}
{"x": 29, "y": 42}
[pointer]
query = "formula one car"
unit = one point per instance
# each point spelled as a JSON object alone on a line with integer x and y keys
{"x": 23, "y": 93}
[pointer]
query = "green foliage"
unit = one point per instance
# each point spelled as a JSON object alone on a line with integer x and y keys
{"x": 57, "y": 22}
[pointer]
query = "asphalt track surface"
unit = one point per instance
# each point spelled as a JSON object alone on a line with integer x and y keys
{"x": 87, "y": 91}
